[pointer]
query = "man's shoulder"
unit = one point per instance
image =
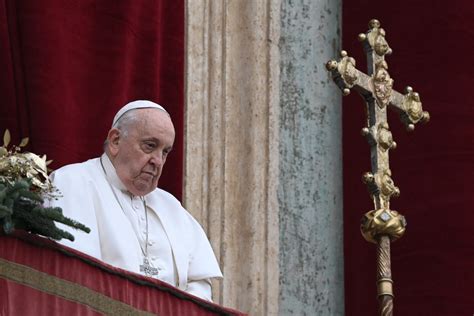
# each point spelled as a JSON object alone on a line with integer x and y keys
{"x": 170, "y": 204}
{"x": 165, "y": 197}
{"x": 165, "y": 194}
{"x": 76, "y": 169}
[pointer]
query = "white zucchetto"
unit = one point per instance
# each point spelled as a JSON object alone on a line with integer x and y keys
{"x": 139, "y": 104}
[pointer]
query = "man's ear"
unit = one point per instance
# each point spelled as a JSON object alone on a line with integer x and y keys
{"x": 113, "y": 139}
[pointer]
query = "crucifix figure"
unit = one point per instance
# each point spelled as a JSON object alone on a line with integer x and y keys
{"x": 381, "y": 225}
{"x": 147, "y": 268}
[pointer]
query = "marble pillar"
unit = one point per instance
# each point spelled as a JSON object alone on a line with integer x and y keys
{"x": 262, "y": 156}
{"x": 231, "y": 162}
{"x": 310, "y": 168}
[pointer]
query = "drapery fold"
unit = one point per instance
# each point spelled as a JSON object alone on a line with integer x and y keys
{"x": 55, "y": 279}
{"x": 68, "y": 66}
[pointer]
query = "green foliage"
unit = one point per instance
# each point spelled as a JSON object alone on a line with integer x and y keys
{"x": 22, "y": 208}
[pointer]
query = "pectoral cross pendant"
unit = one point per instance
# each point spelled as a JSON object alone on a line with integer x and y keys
{"x": 147, "y": 268}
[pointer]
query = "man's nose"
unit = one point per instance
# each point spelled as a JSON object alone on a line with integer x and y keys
{"x": 157, "y": 159}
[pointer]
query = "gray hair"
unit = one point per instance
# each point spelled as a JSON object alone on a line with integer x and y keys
{"x": 123, "y": 124}
{"x": 127, "y": 120}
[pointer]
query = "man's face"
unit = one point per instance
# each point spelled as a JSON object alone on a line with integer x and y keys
{"x": 139, "y": 156}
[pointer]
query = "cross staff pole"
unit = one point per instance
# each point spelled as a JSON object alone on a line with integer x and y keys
{"x": 381, "y": 225}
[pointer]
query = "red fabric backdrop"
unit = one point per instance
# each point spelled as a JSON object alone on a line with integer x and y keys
{"x": 433, "y": 264}
{"x": 68, "y": 66}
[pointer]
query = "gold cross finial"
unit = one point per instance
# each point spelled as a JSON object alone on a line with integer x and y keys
{"x": 382, "y": 224}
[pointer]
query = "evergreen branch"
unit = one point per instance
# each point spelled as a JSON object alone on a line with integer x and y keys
{"x": 21, "y": 208}
{"x": 56, "y": 214}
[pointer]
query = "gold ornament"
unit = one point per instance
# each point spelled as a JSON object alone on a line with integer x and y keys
{"x": 383, "y": 84}
{"x": 15, "y": 165}
{"x": 382, "y": 222}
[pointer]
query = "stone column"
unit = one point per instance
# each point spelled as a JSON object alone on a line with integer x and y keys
{"x": 263, "y": 151}
{"x": 231, "y": 162}
{"x": 310, "y": 175}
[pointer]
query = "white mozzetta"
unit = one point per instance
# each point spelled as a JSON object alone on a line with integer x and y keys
{"x": 116, "y": 232}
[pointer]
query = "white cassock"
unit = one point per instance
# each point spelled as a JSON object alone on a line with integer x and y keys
{"x": 176, "y": 245}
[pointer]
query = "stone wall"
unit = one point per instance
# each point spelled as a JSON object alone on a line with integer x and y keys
{"x": 263, "y": 151}
{"x": 310, "y": 168}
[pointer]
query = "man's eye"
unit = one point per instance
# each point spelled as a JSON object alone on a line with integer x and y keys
{"x": 166, "y": 152}
{"x": 149, "y": 146}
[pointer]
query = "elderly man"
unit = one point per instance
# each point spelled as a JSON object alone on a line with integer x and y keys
{"x": 134, "y": 225}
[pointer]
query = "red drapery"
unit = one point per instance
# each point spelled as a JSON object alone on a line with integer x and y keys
{"x": 433, "y": 264}
{"x": 56, "y": 280}
{"x": 68, "y": 66}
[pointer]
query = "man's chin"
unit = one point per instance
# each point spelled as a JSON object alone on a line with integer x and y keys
{"x": 143, "y": 188}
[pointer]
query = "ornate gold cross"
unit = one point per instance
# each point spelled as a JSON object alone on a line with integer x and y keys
{"x": 382, "y": 224}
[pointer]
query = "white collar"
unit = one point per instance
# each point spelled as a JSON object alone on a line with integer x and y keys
{"x": 111, "y": 174}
